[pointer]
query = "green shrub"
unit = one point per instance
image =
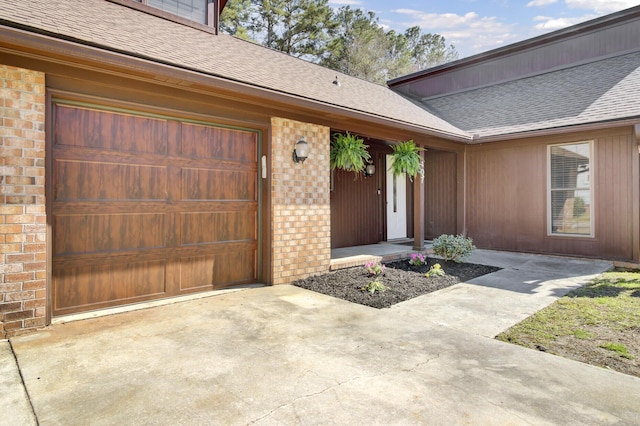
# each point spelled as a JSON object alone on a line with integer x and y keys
{"x": 435, "y": 271}
{"x": 452, "y": 247}
{"x": 375, "y": 285}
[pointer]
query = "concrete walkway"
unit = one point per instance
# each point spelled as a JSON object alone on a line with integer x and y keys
{"x": 283, "y": 355}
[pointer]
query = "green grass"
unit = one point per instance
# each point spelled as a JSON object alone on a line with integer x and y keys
{"x": 597, "y": 316}
{"x": 618, "y": 348}
{"x": 581, "y": 334}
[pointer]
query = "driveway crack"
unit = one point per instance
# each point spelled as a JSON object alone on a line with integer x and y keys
{"x": 339, "y": 384}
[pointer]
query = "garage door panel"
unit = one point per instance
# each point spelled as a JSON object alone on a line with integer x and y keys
{"x": 145, "y": 208}
{"x": 83, "y": 127}
{"x": 199, "y": 228}
{"x": 202, "y": 184}
{"x": 217, "y": 270}
{"x": 94, "y": 181}
{"x": 77, "y": 289}
{"x": 222, "y": 143}
{"x": 102, "y": 233}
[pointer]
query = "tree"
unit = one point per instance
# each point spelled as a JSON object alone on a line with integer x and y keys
{"x": 347, "y": 40}
{"x": 236, "y": 18}
{"x": 359, "y": 46}
{"x": 363, "y": 49}
{"x": 428, "y": 50}
{"x": 297, "y": 27}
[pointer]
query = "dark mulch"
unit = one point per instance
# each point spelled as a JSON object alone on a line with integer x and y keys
{"x": 403, "y": 281}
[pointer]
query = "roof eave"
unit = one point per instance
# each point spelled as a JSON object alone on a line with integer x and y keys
{"x": 600, "y": 125}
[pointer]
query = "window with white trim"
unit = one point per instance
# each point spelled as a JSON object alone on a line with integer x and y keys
{"x": 570, "y": 192}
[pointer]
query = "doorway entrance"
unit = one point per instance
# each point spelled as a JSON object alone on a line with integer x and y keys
{"x": 396, "y": 203}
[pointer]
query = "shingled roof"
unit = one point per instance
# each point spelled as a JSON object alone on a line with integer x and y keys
{"x": 113, "y": 27}
{"x": 595, "y": 92}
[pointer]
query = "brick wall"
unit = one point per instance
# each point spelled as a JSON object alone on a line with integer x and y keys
{"x": 22, "y": 211}
{"x": 300, "y": 202}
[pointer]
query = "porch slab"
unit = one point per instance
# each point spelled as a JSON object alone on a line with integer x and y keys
{"x": 348, "y": 257}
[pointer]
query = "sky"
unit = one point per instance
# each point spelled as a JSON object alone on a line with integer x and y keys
{"x": 476, "y": 26}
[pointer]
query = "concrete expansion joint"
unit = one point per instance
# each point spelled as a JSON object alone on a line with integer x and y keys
{"x": 24, "y": 385}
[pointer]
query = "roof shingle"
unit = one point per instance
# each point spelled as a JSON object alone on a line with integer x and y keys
{"x": 595, "y": 92}
{"x": 115, "y": 27}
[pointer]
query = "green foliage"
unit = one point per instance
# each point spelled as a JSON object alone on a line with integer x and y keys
{"x": 435, "y": 271}
{"x": 299, "y": 28}
{"x": 406, "y": 159}
{"x": 348, "y": 152}
{"x": 581, "y": 334}
{"x": 375, "y": 285}
{"x": 362, "y": 48}
{"x": 579, "y": 207}
{"x": 451, "y": 247}
{"x": 348, "y": 40}
{"x": 428, "y": 50}
{"x": 236, "y": 18}
{"x": 618, "y": 348}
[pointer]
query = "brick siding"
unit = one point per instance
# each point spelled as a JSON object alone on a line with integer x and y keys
{"x": 22, "y": 212}
{"x": 300, "y": 202}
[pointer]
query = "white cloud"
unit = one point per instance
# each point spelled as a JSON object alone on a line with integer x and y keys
{"x": 547, "y": 23}
{"x": 538, "y": 3}
{"x": 345, "y": 2}
{"x": 602, "y": 6}
{"x": 469, "y": 33}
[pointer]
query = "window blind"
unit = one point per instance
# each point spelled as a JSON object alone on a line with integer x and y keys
{"x": 570, "y": 189}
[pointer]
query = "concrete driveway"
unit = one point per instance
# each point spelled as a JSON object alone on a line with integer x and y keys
{"x": 283, "y": 355}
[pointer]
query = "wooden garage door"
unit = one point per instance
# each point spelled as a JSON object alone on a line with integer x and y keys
{"x": 145, "y": 207}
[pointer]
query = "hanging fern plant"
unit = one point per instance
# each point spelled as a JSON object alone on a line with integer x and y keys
{"x": 406, "y": 159}
{"x": 348, "y": 152}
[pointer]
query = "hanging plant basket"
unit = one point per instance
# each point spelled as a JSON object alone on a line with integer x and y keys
{"x": 349, "y": 153}
{"x": 406, "y": 159}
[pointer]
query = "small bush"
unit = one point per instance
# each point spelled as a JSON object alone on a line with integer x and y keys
{"x": 375, "y": 285}
{"x": 451, "y": 247}
{"x": 435, "y": 271}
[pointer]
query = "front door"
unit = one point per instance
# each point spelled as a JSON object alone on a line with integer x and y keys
{"x": 396, "y": 204}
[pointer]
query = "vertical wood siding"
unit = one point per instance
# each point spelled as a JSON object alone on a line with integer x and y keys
{"x": 507, "y": 197}
{"x": 440, "y": 193}
{"x": 357, "y": 215}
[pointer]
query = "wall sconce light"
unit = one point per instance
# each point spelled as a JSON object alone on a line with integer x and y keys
{"x": 370, "y": 170}
{"x": 300, "y": 151}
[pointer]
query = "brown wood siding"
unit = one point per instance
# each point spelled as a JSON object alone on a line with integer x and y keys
{"x": 148, "y": 207}
{"x": 507, "y": 196}
{"x": 357, "y": 210}
{"x": 521, "y": 63}
{"x": 440, "y": 183}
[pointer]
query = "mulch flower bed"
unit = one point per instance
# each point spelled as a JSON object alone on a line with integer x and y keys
{"x": 403, "y": 281}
